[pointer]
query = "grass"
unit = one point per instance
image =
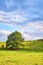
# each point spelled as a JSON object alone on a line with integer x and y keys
{"x": 2, "y": 43}
{"x": 21, "y": 58}
{"x": 31, "y": 55}
{"x": 34, "y": 44}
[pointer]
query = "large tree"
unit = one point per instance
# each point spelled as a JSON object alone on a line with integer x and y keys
{"x": 14, "y": 40}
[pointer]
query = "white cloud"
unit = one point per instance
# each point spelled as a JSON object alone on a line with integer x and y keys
{"x": 37, "y": 26}
{"x": 19, "y": 18}
{"x": 31, "y": 37}
{"x": 5, "y": 32}
{"x": 12, "y": 17}
{"x": 36, "y": 37}
{"x": 28, "y": 36}
{"x": 33, "y": 30}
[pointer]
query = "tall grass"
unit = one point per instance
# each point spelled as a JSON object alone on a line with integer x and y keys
{"x": 20, "y": 58}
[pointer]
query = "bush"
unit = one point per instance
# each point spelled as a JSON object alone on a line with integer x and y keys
{"x": 2, "y": 46}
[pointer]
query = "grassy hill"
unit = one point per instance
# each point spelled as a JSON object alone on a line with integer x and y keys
{"x": 34, "y": 44}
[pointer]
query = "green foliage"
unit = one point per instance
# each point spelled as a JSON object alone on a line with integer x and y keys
{"x": 40, "y": 40}
{"x": 3, "y": 46}
{"x": 35, "y": 64}
{"x": 14, "y": 40}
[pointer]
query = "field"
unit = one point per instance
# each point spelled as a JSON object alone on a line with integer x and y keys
{"x": 2, "y": 43}
{"x": 21, "y": 58}
{"x": 32, "y": 54}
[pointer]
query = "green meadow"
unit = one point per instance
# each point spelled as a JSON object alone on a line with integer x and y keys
{"x": 31, "y": 54}
{"x": 21, "y": 58}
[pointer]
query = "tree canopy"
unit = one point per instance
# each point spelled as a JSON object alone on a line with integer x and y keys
{"x": 14, "y": 40}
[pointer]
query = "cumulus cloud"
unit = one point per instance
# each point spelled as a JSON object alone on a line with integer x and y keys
{"x": 29, "y": 35}
{"x": 11, "y": 17}
{"x": 38, "y": 26}
{"x": 4, "y": 34}
{"x": 33, "y": 30}
{"x": 26, "y": 36}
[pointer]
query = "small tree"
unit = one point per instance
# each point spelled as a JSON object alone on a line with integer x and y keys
{"x": 14, "y": 40}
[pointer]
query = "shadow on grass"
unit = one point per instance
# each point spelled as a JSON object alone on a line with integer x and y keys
{"x": 22, "y": 49}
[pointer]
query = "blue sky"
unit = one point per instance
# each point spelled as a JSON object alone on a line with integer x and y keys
{"x": 25, "y": 16}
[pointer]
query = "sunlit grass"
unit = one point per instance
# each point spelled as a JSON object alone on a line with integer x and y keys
{"x": 2, "y": 43}
{"x": 21, "y": 58}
